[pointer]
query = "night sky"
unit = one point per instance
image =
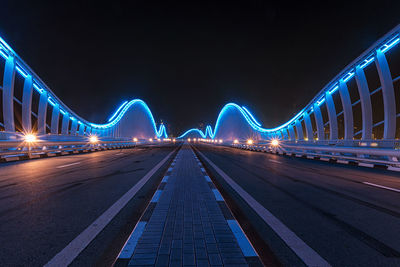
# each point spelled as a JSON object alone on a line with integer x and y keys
{"x": 187, "y": 59}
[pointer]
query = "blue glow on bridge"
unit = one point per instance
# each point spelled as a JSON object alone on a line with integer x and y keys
{"x": 6, "y": 51}
{"x": 331, "y": 88}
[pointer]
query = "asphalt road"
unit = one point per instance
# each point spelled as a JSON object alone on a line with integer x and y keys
{"x": 46, "y": 203}
{"x": 331, "y": 207}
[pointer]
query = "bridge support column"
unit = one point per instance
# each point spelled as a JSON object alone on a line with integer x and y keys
{"x": 319, "y": 122}
{"x": 27, "y": 104}
{"x": 389, "y": 102}
{"x": 42, "y": 113}
{"x": 285, "y": 134}
{"x": 333, "y": 135}
{"x": 366, "y": 108}
{"x": 309, "y": 130}
{"x": 291, "y": 133}
{"x": 81, "y": 128}
{"x": 347, "y": 111}
{"x": 65, "y": 124}
{"x": 74, "y": 127}
{"x": 8, "y": 95}
{"x": 54, "y": 119}
{"x": 299, "y": 130}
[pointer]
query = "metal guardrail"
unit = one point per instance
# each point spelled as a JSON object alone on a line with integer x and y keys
{"x": 16, "y": 150}
{"x": 362, "y": 156}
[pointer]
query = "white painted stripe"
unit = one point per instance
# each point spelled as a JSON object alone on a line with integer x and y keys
{"x": 165, "y": 179}
{"x": 67, "y": 165}
{"x": 217, "y": 195}
{"x": 119, "y": 154}
{"x": 208, "y": 179}
{"x": 275, "y": 161}
{"x": 342, "y": 161}
{"x": 156, "y": 196}
{"x": 324, "y": 159}
{"x": 244, "y": 244}
{"x": 396, "y": 169}
{"x": 383, "y": 187}
{"x": 130, "y": 245}
{"x": 309, "y": 256}
{"x": 363, "y": 164}
{"x": 72, "y": 250}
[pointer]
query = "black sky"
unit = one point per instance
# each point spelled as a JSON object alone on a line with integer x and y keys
{"x": 187, "y": 59}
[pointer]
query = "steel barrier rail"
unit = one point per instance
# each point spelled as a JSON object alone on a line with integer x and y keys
{"x": 10, "y": 151}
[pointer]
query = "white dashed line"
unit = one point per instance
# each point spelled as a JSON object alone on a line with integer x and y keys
{"x": 308, "y": 255}
{"x": 67, "y": 165}
{"x": 76, "y": 246}
{"x": 383, "y": 187}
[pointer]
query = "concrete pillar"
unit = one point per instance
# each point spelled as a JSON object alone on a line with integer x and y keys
{"x": 366, "y": 107}
{"x": 332, "y": 116}
{"x": 8, "y": 95}
{"x": 319, "y": 122}
{"x": 347, "y": 111}
{"x": 389, "y": 101}
{"x": 27, "y": 104}
{"x": 42, "y": 113}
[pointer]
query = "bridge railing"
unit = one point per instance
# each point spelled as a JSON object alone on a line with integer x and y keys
{"x": 360, "y": 105}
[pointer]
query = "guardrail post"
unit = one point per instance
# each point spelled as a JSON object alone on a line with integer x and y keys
{"x": 55, "y": 115}
{"x": 42, "y": 113}
{"x": 27, "y": 104}
{"x": 389, "y": 101}
{"x": 347, "y": 111}
{"x": 366, "y": 108}
{"x": 333, "y": 135}
{"x": 8, "y": 94}
{"x": 319, "y": 122}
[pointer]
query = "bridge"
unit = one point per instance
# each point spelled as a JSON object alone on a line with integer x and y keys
{"x": 322, "y": 189}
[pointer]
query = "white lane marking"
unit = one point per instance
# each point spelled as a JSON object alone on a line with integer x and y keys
{"x": 72, "y": 250}
{"x": 275, "y": 161}
{"x": 67, "y": 165}
{"x": 383, "y": 187}
{"x": 217, "y": 195}
{"x": 130, "y": 245}
{"x": 309, "y": 256}
{"x": 156, "y": 196}
{"x": 244, "y": 244}
{"x": 119, "y": 154}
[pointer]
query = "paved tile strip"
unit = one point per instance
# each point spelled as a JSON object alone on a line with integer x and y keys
{"x": 187, "y": 226}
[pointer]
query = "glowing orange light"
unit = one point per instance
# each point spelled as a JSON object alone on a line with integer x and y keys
{"x": 249, "y": 141}
{"x": 275, "y": 142}
{"x": 93, "y": 139}
{"x": 30, "y": 138}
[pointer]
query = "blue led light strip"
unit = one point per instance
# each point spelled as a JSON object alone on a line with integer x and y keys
{"x": 384, "y": 45}
{"x": 6, "y": 51}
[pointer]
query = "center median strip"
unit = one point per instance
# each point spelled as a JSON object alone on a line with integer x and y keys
{"x": 309, "y": 256}
{"x": 77, "y": 245}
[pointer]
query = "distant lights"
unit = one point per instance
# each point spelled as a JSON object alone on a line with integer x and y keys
{"x": 30, "y": 138}
{"x": 93, "y": 139}
{"x": 274, "y": 142}
{"x": 135, "y": 139}
{"x": 250, "y": 142}
{"x": 151, "y": 140}
{"x": 236, "y": 141}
